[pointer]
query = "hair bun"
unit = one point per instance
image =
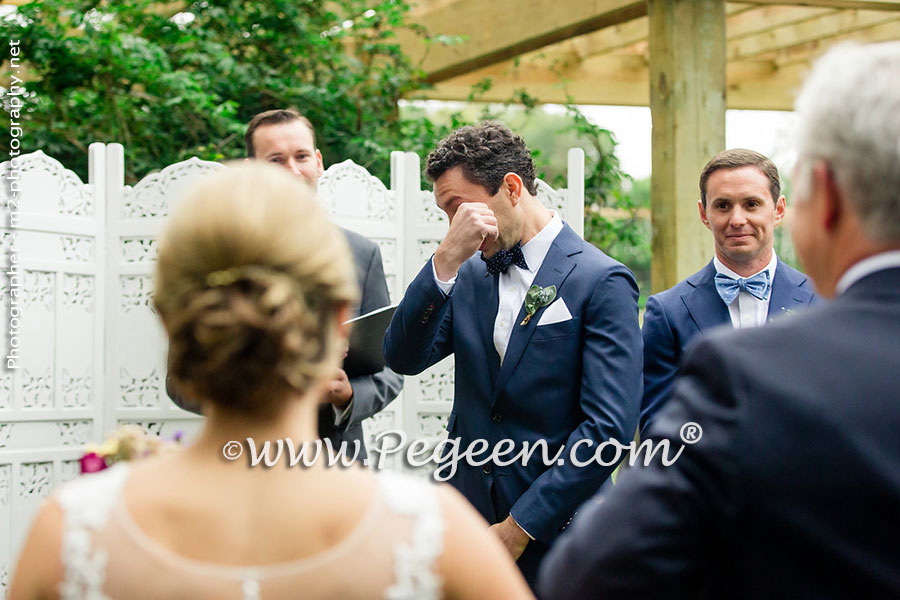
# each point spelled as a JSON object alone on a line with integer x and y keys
{"x": 250, "y": 277}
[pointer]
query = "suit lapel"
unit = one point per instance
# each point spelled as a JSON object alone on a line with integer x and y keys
{"x": 556, "y": 267}
{"x": 703, "y": 302}
{"x": 786, "y": 291}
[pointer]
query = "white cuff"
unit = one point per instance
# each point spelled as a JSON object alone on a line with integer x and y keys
{"x": 341, "y": 414}
{"x": 445, "y": 286}
{"x": 531, "y": 537}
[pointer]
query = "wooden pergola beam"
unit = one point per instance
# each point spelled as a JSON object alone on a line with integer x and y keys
{"x": 762, "y": 74}
{"x": 854, "y": 4}
{"x": 751, "y": 85}
{"x": 761, "y": 19}
{"x": 623, "y": 35}
{"x": 531, "y": 24}
{"x": 808, "y": 51}
{"x": 826, "y": 26}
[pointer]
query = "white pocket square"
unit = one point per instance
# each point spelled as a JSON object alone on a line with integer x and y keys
{"x": 555, "y": 313}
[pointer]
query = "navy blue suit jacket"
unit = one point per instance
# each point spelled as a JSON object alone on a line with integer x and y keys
{"x": 793, "y": 489}
{"x": 574, "y": 380}
{"x": 674, "y": 317}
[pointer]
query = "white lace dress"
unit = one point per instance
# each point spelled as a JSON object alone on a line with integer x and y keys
{"x": 390, "y": 554}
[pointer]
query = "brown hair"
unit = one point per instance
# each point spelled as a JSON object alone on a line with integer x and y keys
{"x": 740, "y": 157}
{"x": 279, "y": 116}
{"x": 250, "y": 278}
{"x": 486, "y": 152}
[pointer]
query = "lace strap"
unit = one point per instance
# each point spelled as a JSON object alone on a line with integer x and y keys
{"x": 86, "y": 503}
{"x": 414, "y": 561}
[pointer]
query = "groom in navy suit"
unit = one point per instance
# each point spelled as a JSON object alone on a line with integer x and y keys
{"x": 544, "y": 329}
{"x": 744, "y": 285}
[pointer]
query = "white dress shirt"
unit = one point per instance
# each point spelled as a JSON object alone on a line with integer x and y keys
{"x": 514, "y": 284}
{"x": 867, "y": 266}
{"x": 747, "y": 310}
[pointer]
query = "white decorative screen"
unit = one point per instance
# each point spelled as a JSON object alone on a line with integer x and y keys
{"x": 51, "y": 387}
{"x": 135, "y": 340}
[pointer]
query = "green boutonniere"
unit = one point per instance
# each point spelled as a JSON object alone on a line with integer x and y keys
{"x": 537, "y": 297}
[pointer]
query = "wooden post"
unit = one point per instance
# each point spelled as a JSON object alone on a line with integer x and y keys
{"x": 687, "y": 104}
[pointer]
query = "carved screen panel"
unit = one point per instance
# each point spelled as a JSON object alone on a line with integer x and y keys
{"x": 136, "y": 343}
{"x": 51, "y": 296}
{"x": 360, "y": 202}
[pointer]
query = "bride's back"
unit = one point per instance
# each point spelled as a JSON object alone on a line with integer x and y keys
{"x": 313, "y": 539}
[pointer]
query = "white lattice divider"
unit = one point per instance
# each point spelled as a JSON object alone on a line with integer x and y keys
{"x": 51, "y": 405}
{"x": 135, "y": 341}
{"x": 360, "y": 202}
{"x": 428, "y": 397}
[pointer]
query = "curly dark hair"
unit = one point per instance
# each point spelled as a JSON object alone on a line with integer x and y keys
{"x": 486, "y": 152}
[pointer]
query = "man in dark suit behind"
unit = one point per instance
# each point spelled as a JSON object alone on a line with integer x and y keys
{"x": 793, "y": 489}
{"x": 741, "y": 204}
{"x": 288, "y": 139}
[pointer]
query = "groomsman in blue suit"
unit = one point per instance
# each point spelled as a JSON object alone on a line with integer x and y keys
{"x": 744, "y": 285}
{"x": 544, "y": 329}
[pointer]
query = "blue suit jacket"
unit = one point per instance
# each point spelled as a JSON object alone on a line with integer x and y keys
{"x": 575, "y": 380}
{"x": 674, "y": 317}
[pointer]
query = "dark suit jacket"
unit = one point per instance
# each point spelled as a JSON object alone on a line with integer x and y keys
{"x": 793, "y": 490}
{"x": 559, "y": 383}
{"x": 371, "y": 393}
{"x": 674, "y": 317}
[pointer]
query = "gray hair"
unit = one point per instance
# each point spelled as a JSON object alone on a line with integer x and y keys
{"x": 849, "y": 117}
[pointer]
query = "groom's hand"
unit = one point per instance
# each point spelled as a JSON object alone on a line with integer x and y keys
{"x": 513, "y": 537}
{"x": 471, "y": 227}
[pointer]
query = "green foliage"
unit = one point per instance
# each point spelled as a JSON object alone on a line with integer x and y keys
{"x": 170, "y": 88}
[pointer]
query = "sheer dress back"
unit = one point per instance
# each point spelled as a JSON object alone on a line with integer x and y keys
{"x": 390, "y": 554}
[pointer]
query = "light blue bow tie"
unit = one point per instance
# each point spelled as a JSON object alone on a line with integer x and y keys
{"x": 757, "y": 286}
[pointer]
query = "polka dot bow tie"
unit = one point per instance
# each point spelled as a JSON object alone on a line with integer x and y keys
{"x": 501, "y": 261}
{"x": 757, "y": 286}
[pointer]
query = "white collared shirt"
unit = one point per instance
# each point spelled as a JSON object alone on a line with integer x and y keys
{"x": 514, "y": 284}
{"x": 867, "y": 266}
{"x": 747, "y": 310}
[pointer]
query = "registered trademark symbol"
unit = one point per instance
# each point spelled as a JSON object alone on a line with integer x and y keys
{"x": 691, "y": 433}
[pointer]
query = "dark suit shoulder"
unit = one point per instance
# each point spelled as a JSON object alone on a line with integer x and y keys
{"x": 359, "y": 244}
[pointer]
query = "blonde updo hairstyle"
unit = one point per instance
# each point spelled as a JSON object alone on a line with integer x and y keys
{"x": 250, "y": 280}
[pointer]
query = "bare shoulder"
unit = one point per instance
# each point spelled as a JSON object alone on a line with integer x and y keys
{"x": 474, "y": 563}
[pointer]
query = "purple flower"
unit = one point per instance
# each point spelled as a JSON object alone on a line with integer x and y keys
{"x": 92, "y": 462}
